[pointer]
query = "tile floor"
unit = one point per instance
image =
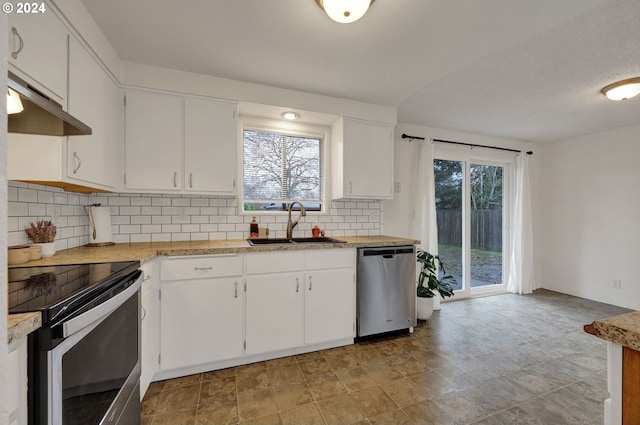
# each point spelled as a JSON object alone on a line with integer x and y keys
{"x": 505, "y": 359}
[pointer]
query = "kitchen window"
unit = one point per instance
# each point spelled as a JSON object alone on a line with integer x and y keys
{"x": 281, "y": 167}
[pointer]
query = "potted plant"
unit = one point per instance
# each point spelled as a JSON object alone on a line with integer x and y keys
{"x": 43, "y": 233}
{"x": 430, "y": 284}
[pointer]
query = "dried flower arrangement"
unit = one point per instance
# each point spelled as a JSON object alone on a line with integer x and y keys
{"x": 41, "y": 232}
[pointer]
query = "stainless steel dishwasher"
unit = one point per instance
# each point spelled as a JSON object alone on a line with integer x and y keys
{"x": 386, "y": 289}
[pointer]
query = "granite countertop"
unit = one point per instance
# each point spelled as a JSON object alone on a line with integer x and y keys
{"x": 147, "y": 251}
{"x": 623, "y": 330}
{"x": 21, "y": 324}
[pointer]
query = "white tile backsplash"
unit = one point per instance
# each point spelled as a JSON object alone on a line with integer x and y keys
{"x": 169, "y": 217}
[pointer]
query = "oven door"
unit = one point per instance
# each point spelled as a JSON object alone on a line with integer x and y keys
{"x": 93, "y": 374}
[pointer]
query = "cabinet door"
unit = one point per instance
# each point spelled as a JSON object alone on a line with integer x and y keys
{"x": 94, "y": 99}
{"x": 38, "y": 50}
{"x": 153, "y": 141}
{"x": 150, "y": 326}
{"x": 275, "y": 317}
{"x": 368, "y": 160}
{"x": 201, "y": 321}
{"x": 329, "y": 305}
{"x": 17, "y": 382}
{"x": 210, "y": 146}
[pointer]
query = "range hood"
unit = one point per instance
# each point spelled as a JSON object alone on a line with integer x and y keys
{"x": 41, "y": 115}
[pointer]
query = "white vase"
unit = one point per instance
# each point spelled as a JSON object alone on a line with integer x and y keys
{"x": 48, "y": 249}
{"x": 436, "y": 302}
{"x": 425, "y": 308}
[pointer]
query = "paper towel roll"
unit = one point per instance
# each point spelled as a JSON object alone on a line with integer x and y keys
{"x": 100, "y": 225}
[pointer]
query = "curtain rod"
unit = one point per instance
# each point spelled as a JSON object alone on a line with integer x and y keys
{"x": 406, "y": 136}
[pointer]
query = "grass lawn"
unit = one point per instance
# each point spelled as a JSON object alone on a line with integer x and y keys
{"x": 486, "y": 266}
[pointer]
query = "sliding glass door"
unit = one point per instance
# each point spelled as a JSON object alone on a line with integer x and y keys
{"x": 471, "y": 206}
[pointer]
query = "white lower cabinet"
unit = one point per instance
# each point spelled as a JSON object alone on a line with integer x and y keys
{"x": 330, "y": 295}
{"x": 150, "y": 325}
{"x": 275, "y": 315}
{"x": 220, "y": 311}
{"x": 17, "y": 382}
{"x": 201, "y": 314}
{"x": 329, "y": 309}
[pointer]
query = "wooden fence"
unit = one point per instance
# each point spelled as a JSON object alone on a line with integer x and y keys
{"x": 486, "y": 229}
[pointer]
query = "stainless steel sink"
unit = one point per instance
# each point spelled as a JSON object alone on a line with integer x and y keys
{"x": 292, "y": 241}
{"x": 317, "y": 240}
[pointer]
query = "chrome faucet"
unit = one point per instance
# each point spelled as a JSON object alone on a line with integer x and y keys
{"x": 292, "y": 224}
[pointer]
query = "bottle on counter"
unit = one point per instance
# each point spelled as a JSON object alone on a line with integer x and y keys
{"x": 254, "y": 232}
{"x": 315, "y": 231}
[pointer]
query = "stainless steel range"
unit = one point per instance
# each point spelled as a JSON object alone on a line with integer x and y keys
{"x": 84, "y": 365}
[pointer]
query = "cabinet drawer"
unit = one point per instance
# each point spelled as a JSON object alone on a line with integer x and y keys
{"x": 275, "y": 262}
{"x": 331, "y": 259}
{"x": 176, "y": 268}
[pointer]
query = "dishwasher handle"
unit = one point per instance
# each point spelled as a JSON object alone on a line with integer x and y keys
{"x": 386, "y": 252}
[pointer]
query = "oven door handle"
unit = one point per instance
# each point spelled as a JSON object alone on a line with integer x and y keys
{"x": 103, "y": 310}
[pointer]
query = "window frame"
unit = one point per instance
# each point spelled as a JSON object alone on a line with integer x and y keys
{"x": 292, "y": 129}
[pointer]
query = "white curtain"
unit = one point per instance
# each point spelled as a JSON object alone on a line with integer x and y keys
{"x": 423, "y": 223}
{"x": 521, "y": 279}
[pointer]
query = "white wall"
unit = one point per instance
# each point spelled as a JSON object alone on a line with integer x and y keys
{"x": 397, "y": 213}
{"x": 591, "y": 216}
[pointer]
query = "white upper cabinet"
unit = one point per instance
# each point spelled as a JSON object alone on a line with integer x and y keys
{"x": 153, "y": 141}
{"x": 77, "y": 163}
{"x": 38, "y": 50}
{"x": 180, "y": 144}
{"x": 94, "y": 98}
{"x": 362, "y": 160}
{"x": 210, "y": 146}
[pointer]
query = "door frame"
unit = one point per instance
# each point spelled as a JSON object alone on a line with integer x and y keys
{"x": 480, "y": 156}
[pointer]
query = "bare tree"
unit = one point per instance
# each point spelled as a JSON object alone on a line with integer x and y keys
{"x": 279, "y": 167}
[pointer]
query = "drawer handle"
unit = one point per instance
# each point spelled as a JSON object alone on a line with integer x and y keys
{"x": 144, "y": 313}
{"x": 203, "y": 269}
{"x": 310, "y": 282}
{"x": 235, "y": 285}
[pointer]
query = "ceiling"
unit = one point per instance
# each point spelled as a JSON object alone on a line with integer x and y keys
{"x": 517, "y": 69}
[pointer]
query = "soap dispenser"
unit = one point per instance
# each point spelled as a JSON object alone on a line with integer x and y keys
{"x": 254, "y": 232}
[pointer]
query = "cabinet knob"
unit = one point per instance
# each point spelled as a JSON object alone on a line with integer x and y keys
{"x": 15, "y": 53}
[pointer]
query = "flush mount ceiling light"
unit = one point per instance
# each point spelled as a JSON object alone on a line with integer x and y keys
{"x": 290, "y": 115}
{"x": 14, "y": 105}
{"x": 622, "y": 90}
{"x": 345, "y": 11}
